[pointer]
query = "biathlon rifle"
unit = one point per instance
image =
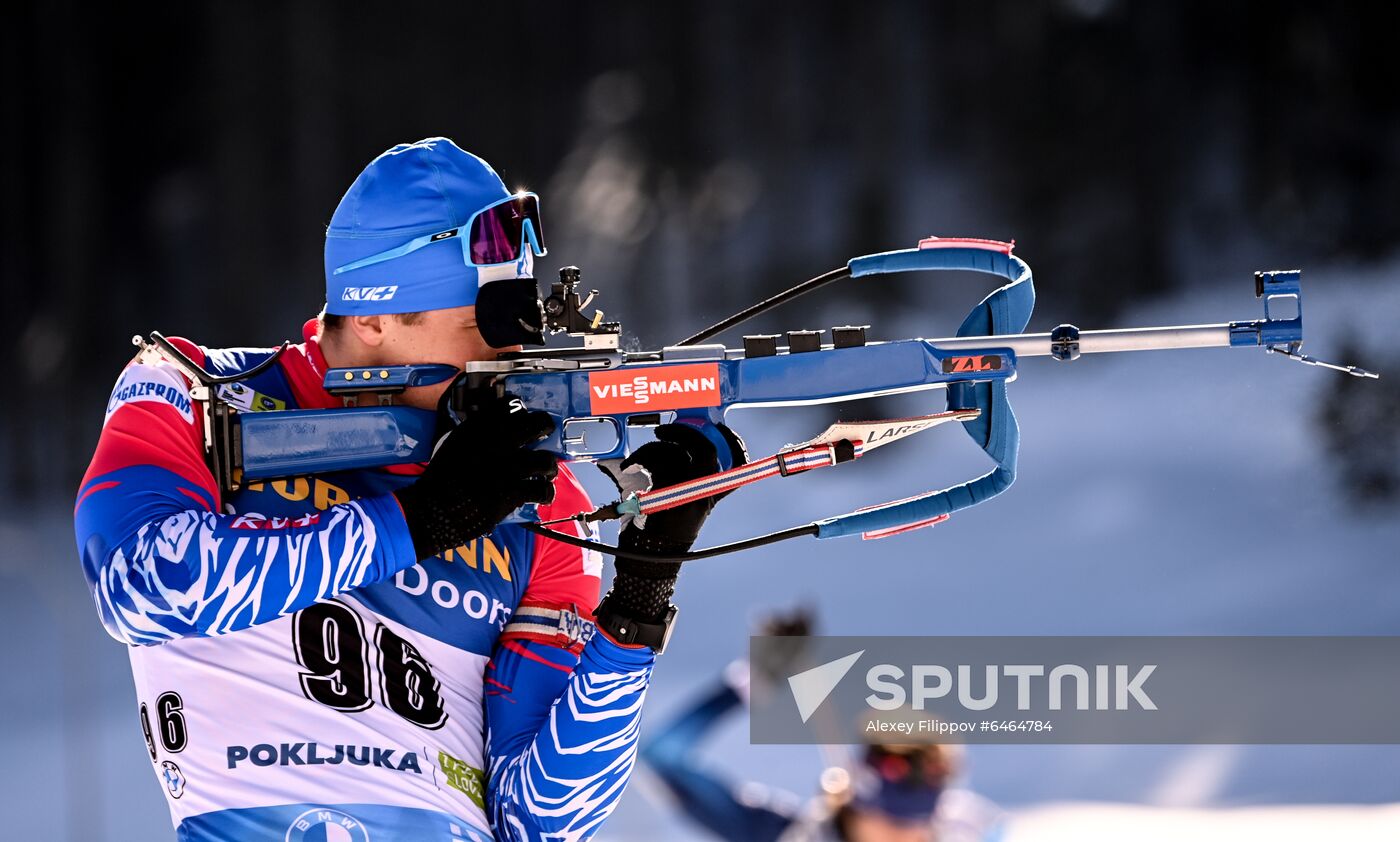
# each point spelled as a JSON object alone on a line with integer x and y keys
{"x": 597, "y": 392}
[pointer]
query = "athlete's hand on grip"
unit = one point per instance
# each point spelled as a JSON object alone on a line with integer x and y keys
{"x": 480, "y": 472}
{"x": 680, "y": 453}
{"x": 642, "y": 589}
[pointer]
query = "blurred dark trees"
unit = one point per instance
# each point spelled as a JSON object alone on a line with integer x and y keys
{"x": 171, "y": 165}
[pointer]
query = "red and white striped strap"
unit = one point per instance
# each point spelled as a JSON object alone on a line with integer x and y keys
{"x": 567, "y": 628}
{"x": 785, "y": 463}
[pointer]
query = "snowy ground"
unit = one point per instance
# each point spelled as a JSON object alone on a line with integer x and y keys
{"x": 1159, "y": 494}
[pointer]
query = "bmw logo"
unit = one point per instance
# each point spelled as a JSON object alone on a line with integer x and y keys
{"x": 174, "y": 779}
{"x": 325, "y": 824}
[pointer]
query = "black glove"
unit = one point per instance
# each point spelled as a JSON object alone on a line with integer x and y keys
{"x": 642, "y": 590}
{"x": 480, "y": 472}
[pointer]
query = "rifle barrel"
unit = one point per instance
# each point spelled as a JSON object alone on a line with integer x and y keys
{"x": 1101, "y": 341}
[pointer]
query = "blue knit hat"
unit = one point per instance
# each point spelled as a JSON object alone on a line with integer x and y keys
{"x": 413, "y": 189}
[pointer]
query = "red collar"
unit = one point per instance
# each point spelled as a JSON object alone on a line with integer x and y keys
{"x": 305, "y": 367}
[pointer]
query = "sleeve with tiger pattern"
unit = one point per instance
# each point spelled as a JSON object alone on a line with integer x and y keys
{"x": 163, "y": 562}
{"x": 563, "y": 716}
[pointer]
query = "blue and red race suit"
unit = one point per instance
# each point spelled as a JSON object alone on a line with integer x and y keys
{"x": 302, "y": 677}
